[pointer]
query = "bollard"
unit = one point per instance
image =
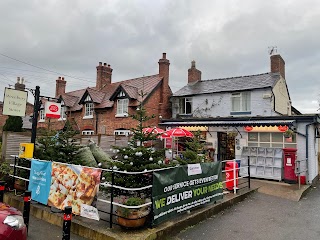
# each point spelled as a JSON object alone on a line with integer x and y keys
{"x": 26, "y": 207}
{"x": 2, "y": 188}
{"x": 66, "y": 223}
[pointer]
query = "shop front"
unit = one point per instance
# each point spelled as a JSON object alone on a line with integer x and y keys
{"x": 261, "y": 140}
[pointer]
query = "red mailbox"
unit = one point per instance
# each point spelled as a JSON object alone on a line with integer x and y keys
{"x": 230, "y": 166}
{"x": 289, "y": 164}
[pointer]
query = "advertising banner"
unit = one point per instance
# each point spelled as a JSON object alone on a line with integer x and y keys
{"x": 73, "y": 185}
{"x": 60, "y": 185}
{"x": 182, "y": 188}
{"x": 14, "y": 102}
{"x": 40, "y": 180}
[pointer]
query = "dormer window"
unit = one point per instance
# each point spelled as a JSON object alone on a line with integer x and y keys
{"x": 63, "y": 115}
{"x": 41, "y": 116}
{"x": 88, "y": 107}
{"x": 122, "y": 104}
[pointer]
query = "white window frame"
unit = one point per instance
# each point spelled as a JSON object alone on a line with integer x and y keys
{"x": 87, "y": 132}
{"x": 63, "y": 115}
{"x": 183, "y": 105}
{"x": 244, "y": 99}
{"x": 271, "y": 143}
{"x": 122, "y": 132}
{"x": 41, "y": 116}
{"x": 122, "y": 107}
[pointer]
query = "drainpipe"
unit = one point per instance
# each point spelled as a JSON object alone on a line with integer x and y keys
{"x": 307, "y": 145}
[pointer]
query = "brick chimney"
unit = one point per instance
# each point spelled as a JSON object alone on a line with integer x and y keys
{"x": 60, "y": 86}
{"x": 278, "y": 65}
{"x": 164, "y": 104}
{"x": 194, "y": 74}
{"x": 20, "y": 84}
{"x": 164, "y": 69}
{"x": 104, "y": 74}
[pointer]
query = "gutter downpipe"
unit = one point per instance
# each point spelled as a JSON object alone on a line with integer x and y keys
{"x": 307, "y": 146}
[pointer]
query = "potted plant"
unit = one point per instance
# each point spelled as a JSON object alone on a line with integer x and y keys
{"x": 288, "y": 133}
{"x": 132, "y": 217}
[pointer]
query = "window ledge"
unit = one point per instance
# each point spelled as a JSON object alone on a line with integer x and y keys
{"x": 41, "y": 121}
{"x": 240, "y": 113}
{"x": 87, "y": 117}
{"x": 62, "y": 119}
{"x": 121, "y": 115}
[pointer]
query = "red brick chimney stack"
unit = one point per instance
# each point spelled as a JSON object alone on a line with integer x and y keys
{"x": 164, "y": 69}
{"x": 278, "y": 65}
{"x": 60, "y": 86}
{"x": 194, "y": 74}
{"x": 104, "y": 74}
{"x": 20, "y": 84}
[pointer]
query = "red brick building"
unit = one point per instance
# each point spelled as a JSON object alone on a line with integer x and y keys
{"x": 104, "y": 109}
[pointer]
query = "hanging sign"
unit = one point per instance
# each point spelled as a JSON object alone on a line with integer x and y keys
{"x": 14, "y": 102}
{"x": 52, "y": 109}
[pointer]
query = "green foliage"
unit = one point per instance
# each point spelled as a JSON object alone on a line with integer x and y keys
{"x": 13, "y": 124}
{"x": 194, "y": 151}
{"x": 60, "y": 146}
{"x": 100, "y": 156}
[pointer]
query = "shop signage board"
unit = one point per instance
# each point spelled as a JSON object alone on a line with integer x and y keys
{"x": 14, "y": 102}
{"x": 52, "y": 109}
{"x": 183, "y": 188}
{"x": 60, "y": 185}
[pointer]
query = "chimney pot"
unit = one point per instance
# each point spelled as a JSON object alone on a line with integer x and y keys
{"x": 22, "y": 80}
{"x": 105, "y": 64}
{"x": 193, "y": 64}
{"x": 100, "y": 63}
{"x": 109, "y": 65}
{"x": 164, "y": 55}
{"x": 18, "y": 79}
{"x": 63, "y": 78}
{"x": 59, "y": 78}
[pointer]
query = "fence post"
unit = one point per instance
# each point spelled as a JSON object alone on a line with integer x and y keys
{"x": 26, "y": 207}
{"x": 2, "y": 188}
{"x": 234, "y": 176}
{"x": 151, "y": 209}
{"x": 111, "y": 193}
{"x": 249, "y": 177}
{"x": 67, "y": 216}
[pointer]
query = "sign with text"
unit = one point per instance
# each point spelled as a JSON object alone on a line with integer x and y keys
{"x": 39, "y": 181}
{"x": 175, "y": 190}
{"x": 14, "y": 102}
{"x": 52, "y": 109}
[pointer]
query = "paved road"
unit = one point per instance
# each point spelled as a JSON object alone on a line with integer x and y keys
{"x": 262, "y": 217}
{"x": 41, "y": 230}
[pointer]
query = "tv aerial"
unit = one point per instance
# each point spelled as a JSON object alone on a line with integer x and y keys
{"x": 272, "y": 50}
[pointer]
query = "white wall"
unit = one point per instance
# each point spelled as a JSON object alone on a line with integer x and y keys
{"x": 219, "y": 104}
{"x": 283, "y": 104}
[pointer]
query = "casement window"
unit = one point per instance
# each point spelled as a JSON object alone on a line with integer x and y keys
{"x": 87, "y": 132}
{"x": 185, "y": 105}
{"x": 122, "y": 107}
{"x": 241, "y": 102}
{"x": 88, "y": 108}
{"x": 63, "y": 114}
{"x": 122, "y": 132}
{"x": 271, "y": 139}
{"x": 41, "y": 116}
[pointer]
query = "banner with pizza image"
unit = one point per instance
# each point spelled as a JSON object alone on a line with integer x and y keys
{"x": 60, "y": 185}
{"x": 73, "y": 185}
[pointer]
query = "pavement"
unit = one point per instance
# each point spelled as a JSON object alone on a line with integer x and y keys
{"x": 91, "y": 229}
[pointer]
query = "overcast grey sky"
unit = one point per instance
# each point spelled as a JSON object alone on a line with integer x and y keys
{"x": 226, "y": 38}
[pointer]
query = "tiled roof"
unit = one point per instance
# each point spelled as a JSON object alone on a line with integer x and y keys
{"x": 132, "y": 87}
{"x": 229, "y": 84}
